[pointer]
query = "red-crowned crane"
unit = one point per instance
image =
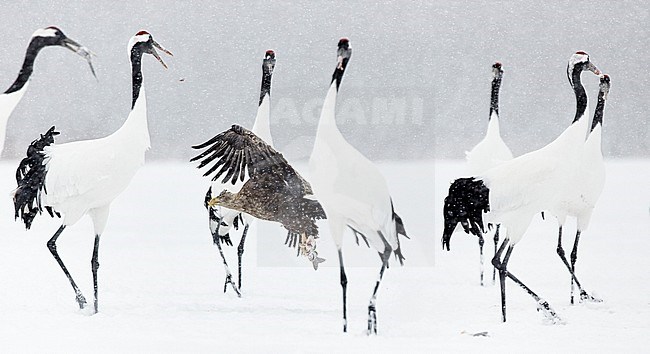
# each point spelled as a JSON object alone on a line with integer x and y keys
{"x": 352, "y": 191}
{"x": 490, "y": 151}
{"x": 221, "y": 219}
{"x": 84, "y": 177}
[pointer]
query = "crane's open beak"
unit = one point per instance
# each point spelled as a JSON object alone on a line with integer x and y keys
{"x": 591, "y": 67}
{"x": 343, "y": 57}
{"x": 155, "y": 54}
{"x": 81, "y": 51}
{"x": 340, "y": 61}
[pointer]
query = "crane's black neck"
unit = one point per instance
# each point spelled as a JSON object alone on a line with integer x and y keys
{"x": 266, "y": 84}
{"x": 581, "y": 95}
{"x": 338, "y": 72}
{"x": 494, "y": 97}
{"x": 598, "y": 114}
{"x": 136, "y": 70}
{"x": 36, "y": 44}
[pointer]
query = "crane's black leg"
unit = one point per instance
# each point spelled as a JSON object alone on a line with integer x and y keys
{"x": 95, "y": 265}
{"x": 496, "y": 262}
{"x": 215, "y": 238}
{"x": 51, "y": 244}
{"x": 571, "y": 268}
{"x": 574, "y": 258}
{"x": 560, "y": 252}
{"x": 481, "y": 242}
{"x": 240, "y": 252}
{"x": 372, "y": 308}
{"x": 344, "y": 286}
{"x": 542, "y": 305}
{"x": 496, "y": 245}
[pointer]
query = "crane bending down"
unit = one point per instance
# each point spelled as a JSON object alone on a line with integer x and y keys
{"x": 513, "y": 192}
{"x": 274, "y": 191}
{"x": 352, "y": 191}
{"x": 490, "y": 152}
{"x": 42, "y": 38}
{"x": 222, "y": 219}
{"x": 84, "y": 177}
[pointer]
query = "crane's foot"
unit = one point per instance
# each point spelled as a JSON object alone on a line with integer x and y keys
{"x": 584, "y": 297}
{"x": 550, "y": 316}
{"x": 372, "y": 319}
{"x": 81, "y": 300}
{"x": 231, "y": 282}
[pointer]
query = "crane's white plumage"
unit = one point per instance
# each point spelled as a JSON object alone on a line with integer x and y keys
{"x": 89, "y": 174}
{"x": 262, "y": 125}
{"x": 593, "y": 181}
{"x": 8, "y": 101}
{"x": 490, "y": 151}
{"x": 84, "y": 177}
{"x": 45, "y": 32}
{"x": 528, "y": 184}
{"x": 348, "y": 185}
{"x": 513, "y": 192}
{"x": 352, "y": 191}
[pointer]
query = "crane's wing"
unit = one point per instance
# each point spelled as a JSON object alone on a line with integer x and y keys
{"x": 237, "y": 150}
{"x": 88, "y": 172}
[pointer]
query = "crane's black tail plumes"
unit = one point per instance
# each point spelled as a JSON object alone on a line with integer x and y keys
{"x": 399, "y": 225}
{"x": 30, "y": 177}
{"x": 466, "y": 202}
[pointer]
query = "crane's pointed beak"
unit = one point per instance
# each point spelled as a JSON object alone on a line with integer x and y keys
{"x": 591, "y": 67}
{"x": 339, "y": 59}
{"x": 155, "y": 54}
{"x": 81, "y": 51}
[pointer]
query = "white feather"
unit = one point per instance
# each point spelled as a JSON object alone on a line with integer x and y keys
{"x": 593, "y": 178}
{"x": 490, "y": 151}
{"x": 89, "y": 174}
{"x": 7, "y": 104}
{"x": 350, "y": 188}
{"x": 44, "y": 32}
{"x": 528, "y": 184}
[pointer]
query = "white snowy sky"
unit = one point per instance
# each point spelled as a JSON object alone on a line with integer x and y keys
{"x": 417, "y": 85}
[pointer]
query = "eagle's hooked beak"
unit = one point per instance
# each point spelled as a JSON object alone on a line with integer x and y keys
{"x": 214, "y": 201}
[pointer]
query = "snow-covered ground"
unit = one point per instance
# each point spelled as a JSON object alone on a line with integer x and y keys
{"x": 161, "y": 279}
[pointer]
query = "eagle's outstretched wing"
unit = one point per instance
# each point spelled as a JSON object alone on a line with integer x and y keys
{"x": 236, "y": 150}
